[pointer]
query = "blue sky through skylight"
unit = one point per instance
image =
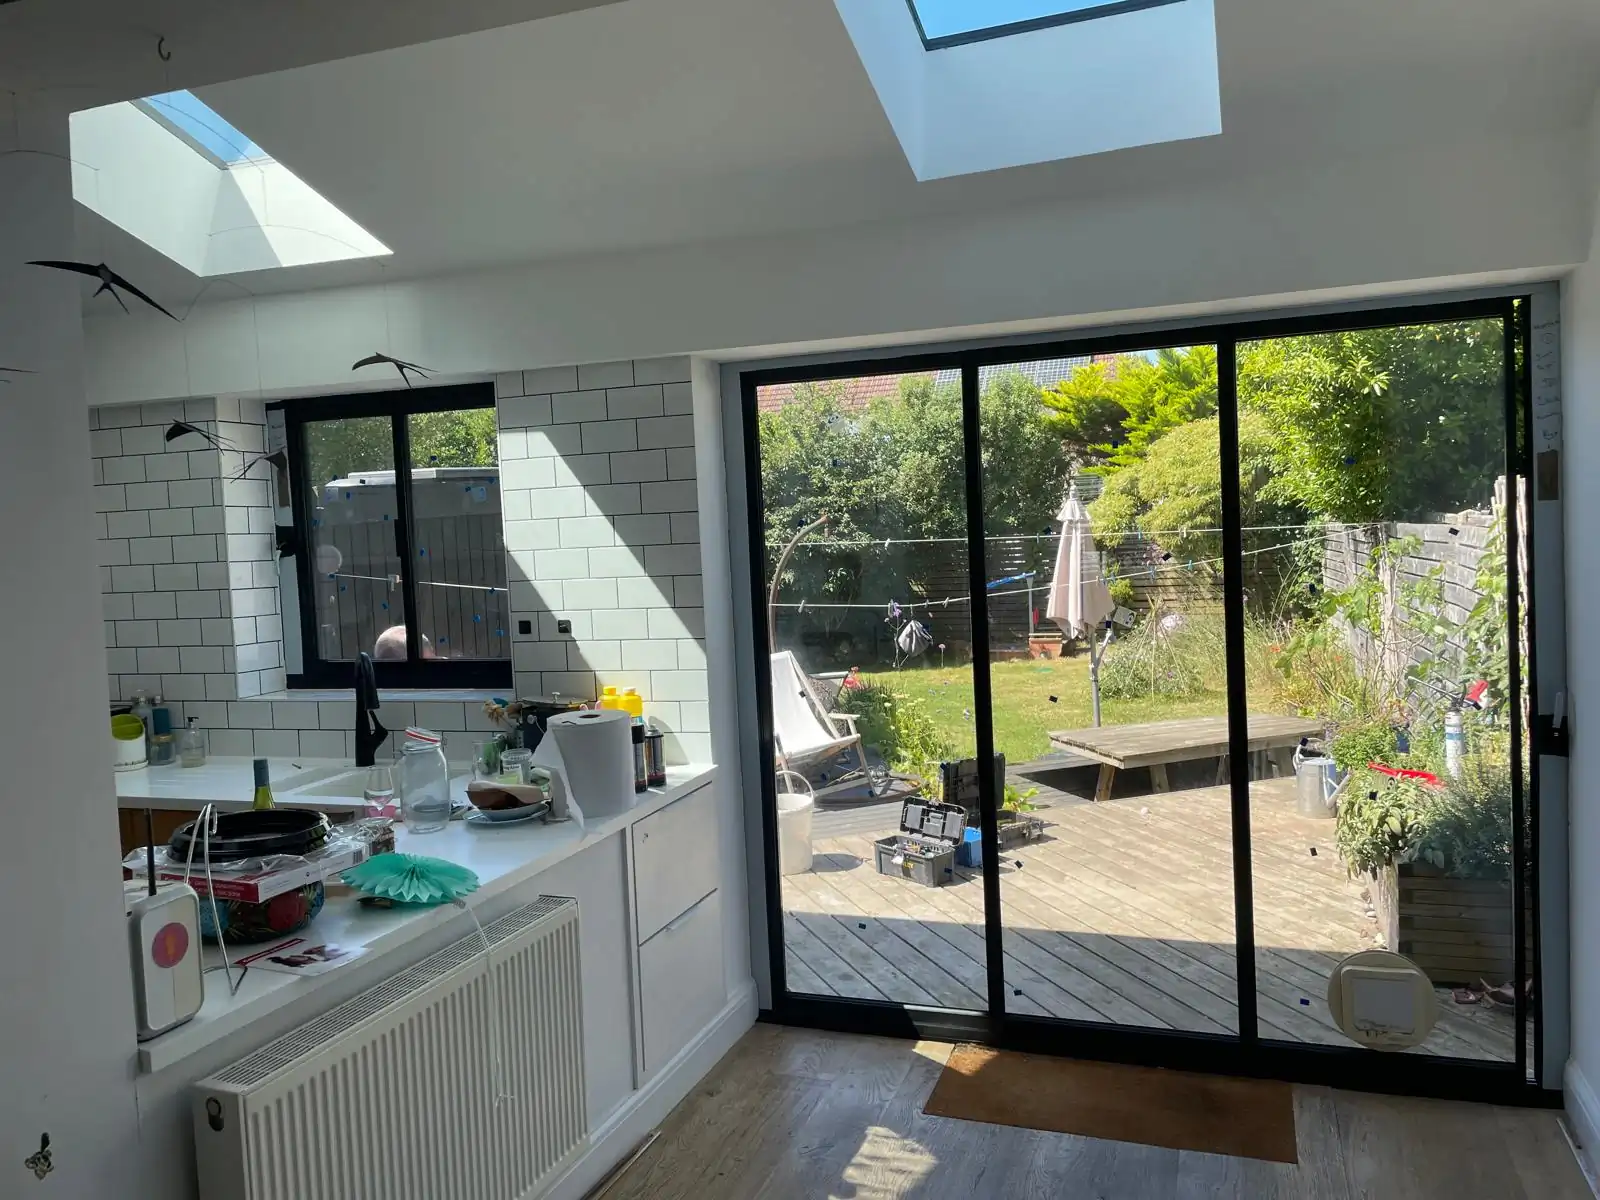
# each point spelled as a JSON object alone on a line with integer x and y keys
{"x": 953, "y": 18}
{"x": 201, "y": 122}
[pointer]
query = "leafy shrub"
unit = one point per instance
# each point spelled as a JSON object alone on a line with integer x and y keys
{"x": 1355, "y": 746}
{"x": 1380, "y": 822}
{"x": 899, "y": 728}
{"x": 1463, "y": 829}
{"x": 1467, "y": 832}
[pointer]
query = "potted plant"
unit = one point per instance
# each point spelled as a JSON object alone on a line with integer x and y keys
{"x": 1440, "y": 863}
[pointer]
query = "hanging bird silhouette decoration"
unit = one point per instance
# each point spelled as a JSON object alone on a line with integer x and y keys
{"x": 110, "y": 281}
{"x": 180, "y": 429}
{"x": 14, "y": 371}
{"x": 373, "y": 360}
{"x": 278, "y": 458}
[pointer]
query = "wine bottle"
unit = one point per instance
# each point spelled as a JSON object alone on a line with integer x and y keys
{"x": 263, "y": 786}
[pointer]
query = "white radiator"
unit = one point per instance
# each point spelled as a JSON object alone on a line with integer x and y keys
{"x": 393, "y": 1095}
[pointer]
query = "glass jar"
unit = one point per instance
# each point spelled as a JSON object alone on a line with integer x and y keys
{"x": 424, "y": 782}
{"x": 514, "y": 766}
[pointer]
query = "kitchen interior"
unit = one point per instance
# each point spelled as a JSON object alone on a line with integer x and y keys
{"x": 289, "y": 842}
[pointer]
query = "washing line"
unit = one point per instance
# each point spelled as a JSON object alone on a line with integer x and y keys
{"x": 1135, "y": 536}
{"x": 908, "y": 606}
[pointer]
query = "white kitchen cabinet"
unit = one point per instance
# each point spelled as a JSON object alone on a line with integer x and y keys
{"x": 680, "y": 977}
{"x": 674, "y": 860}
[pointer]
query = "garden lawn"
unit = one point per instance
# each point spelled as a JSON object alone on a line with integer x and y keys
{"x": 1024, "y": 713}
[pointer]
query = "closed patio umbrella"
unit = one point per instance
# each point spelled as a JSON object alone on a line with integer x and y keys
{"x": 1079, "y": 600}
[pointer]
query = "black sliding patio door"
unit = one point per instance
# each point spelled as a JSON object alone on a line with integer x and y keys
{"x": 1219, "y": 636}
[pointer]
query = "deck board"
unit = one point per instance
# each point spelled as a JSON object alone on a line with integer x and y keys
{"x": 1123, "y": 912}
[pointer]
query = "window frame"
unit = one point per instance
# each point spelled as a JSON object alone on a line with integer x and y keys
{"x": 397, "y": 406}
{"x": 1111, "y": 8}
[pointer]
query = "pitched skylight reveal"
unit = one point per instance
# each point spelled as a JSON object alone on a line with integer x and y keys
{"x": 180, "y": 177}
{"x": 945, "y": 23}
{"x": 197, "y": 119}
{"x": 1014, "y": 82}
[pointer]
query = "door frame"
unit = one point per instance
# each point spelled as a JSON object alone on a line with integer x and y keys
{"x": 1531, "y": 1078}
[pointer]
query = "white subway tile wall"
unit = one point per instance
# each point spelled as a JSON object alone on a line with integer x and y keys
{"x": 189, "y": 548}
{"x": 605, "y": 556}
{"x": 602, "y": 537}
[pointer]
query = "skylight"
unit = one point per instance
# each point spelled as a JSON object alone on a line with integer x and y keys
{"x": 183, "y": 179}
{"x": 945, "y": 23}
{"x": 194, "y": 117}
{"x": 1016, "y": 82}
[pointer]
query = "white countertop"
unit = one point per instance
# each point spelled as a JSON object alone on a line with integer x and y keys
{"x": 502, "y": 858}
{"x": 230, "y": 780}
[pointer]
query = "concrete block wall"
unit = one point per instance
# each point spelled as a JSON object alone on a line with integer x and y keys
{"x": 602, "y": 538}
{"x": 177, "y": 561}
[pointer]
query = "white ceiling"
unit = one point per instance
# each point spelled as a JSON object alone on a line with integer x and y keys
{"x": 655, "y": 122}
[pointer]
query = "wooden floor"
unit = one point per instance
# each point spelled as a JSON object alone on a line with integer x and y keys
{"x": 1123, "y": 912}
{"x": 796, "y": 1114}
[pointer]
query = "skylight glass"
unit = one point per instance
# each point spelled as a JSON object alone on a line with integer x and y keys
{"x": 952, "y": 22}
{"x": 206, "y": 126}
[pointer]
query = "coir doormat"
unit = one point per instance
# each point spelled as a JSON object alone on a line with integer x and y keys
{"x": 1214, "y": 1114}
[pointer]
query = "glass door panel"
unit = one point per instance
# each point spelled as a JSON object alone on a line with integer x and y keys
{"x": 1103, "y": 515}
{"x": 865, "y": 566}
{"x": 1374, "y": 505}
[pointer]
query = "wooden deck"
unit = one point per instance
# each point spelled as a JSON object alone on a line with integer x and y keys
{"x": 1123, "y": 913}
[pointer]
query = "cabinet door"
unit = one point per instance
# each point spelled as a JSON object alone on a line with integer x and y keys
{"x": 674, "y": 859}
{"x": 680, "y": 981}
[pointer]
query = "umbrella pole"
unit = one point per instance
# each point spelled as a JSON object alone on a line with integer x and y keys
{"x": 1094, "y": 675}
{"x": 1097, "y": 650}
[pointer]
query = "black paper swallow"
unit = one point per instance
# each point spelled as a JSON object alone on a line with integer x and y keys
{"x": 110, "y": 281}
{"x": 15, "y": 371}
{"x": 278, "y": 458}
{"x": 180, "y": 429}
{"x": 373, "y": 360}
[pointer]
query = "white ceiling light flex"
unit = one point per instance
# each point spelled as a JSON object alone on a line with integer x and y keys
{"x": 180, "y": 178}
{"x": 975, "y": 85}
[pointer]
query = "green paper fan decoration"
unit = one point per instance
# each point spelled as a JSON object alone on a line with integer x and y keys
{"x": 411, "y": 879}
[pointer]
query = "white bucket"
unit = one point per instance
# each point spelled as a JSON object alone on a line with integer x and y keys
{"x": 794, "y": 826}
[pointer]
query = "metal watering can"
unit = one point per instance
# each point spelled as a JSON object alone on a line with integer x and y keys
{"x": 1316, "y": 781}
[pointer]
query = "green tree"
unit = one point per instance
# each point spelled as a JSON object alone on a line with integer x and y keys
{"x": 1382, "y": 424}
{"x": 1173, "y": 496}
{"x": 339, "y": 448}
{"x": 894, "y": 470}
{"x": 1112, "y": 412}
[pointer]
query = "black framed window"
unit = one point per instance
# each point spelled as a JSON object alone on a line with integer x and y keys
{"x": 399, "y": 540}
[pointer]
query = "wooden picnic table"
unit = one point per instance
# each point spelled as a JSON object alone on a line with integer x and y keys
{"x": 1157, "y": 743}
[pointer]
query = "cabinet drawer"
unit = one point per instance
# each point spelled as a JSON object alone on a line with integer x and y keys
{"x": 674, "y": 860}
{"x": 680, "y": 981}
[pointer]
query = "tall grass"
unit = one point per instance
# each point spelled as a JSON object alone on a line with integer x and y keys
{"x": 1174, "y": 655}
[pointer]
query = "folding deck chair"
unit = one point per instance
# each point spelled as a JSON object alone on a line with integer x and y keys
{"x": 808, "y": 736}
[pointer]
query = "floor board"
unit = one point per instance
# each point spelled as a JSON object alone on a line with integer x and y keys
{"x": 793, "y": 1114}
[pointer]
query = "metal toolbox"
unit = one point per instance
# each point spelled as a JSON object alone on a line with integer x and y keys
{"x": 924, "y": 851}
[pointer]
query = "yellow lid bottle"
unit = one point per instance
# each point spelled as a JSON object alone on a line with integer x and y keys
{"x": 609, "y": 698}
{"x": 632, "y": 703}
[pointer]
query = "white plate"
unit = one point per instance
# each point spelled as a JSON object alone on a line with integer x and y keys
{"x": 518, "y": 818}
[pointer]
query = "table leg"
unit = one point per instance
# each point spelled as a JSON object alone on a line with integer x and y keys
{"x": 1158, "y": 777}
{"x": 1102, "y": 788}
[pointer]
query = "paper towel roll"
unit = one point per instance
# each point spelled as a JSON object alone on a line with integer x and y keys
{"x": 596, "y": 750}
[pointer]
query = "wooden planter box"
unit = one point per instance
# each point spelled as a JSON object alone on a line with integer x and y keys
{"x": 1457, "y": 930}
{"x": 1044, "y": 645}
